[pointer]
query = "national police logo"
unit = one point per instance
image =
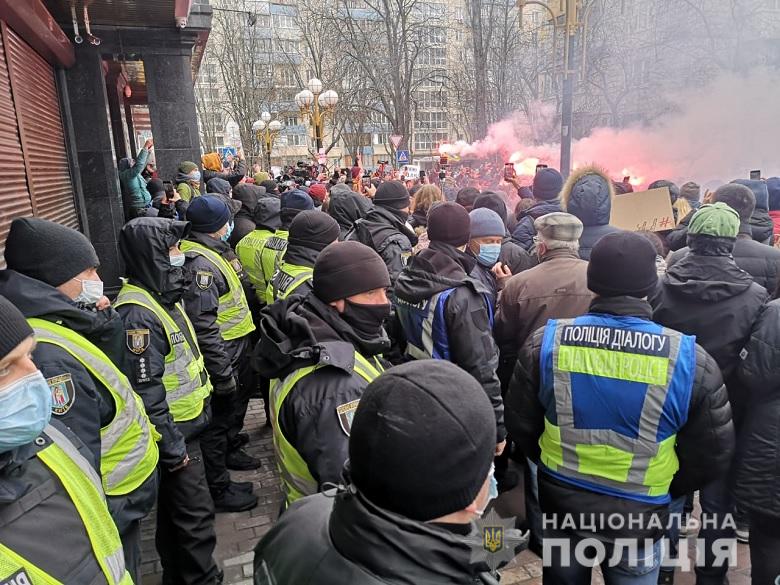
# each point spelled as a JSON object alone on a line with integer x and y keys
{"x": 63, "y": 393}
{"x": 346, "y": 413}
{"x": 204, "y": 279}
{"x": 137, "y": 340}
{"x": 492, "y": 538}
{"x": 236, "y": 264}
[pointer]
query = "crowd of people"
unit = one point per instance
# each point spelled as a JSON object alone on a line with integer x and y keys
{"x": 413, "y": 347}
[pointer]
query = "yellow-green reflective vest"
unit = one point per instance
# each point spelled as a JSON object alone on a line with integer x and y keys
{"x": 128, "y": 444}
{"x": 297, "y": 480}
{"x": 233, "y": 315}
{"x": 83, "y": 486}
{"x": 287, "y": 279}
{"x": 184, "y": 378}
{"x": 249, "y": 251}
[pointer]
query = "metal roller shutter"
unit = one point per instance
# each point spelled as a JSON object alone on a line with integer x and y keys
{"x": 34, "y": 90}
{"x": 14, "y": 197}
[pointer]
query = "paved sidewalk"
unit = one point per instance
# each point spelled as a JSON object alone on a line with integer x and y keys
{"x": 237, "y": 534}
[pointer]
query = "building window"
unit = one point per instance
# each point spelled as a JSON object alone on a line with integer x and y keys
{"x": 431, "y": 120}
{"x": 431, "y": 100}
{"x": 428, "y": 140}
{"x": 286, "y": 77}
{"x": 296, "y": 139}
{"x": 282, "y": 21}
{"x": 291, "y": 121}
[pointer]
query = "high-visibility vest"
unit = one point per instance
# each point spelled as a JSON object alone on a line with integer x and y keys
{"x": 297, "y": 480}
{"x": 288, "y": 278}
{"x": 616, "y": 390}
{"x": 249, "y": 251}
{"x": 425, "y": 326}
{"x": 184, "y": 377}
{"x": 233, "y": 315}
{"x": 83, "y": 487}
{"x": 128, "y": 444}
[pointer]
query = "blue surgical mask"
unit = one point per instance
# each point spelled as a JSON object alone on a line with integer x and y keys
{"x": 25, "y": 410}
{"x": 194, "y": 176}
{"x": 488, "y": 254}
{"x": 176, "y": 260}
{"x": 229, "y": 231}
{"x": 91, "y": 292}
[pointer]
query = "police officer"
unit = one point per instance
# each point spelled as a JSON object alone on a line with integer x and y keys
{"x": 268, "y": 252}
{"x": 52, "y": 278}
{"x": 310, "y": 232}
{"x": 249, "y": 249}
{"x": 619, "y": 412}
{"x": 49, "y": 487}
{"x": 166, "y": 369}
{"x": 446, "y": 314}
{"x": 320, "y": 352}
{"x": 217, "y": 306}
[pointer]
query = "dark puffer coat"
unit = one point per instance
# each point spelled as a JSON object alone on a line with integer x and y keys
{"x": 525, "y": 231}
{"x": 588, "y": 194}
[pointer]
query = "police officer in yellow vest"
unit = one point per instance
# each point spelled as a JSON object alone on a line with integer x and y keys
{"x": 619, "y": 412}
{"x": 320, "y": 352}
{"x": 267, "y": 253}
{"x": 310, "y": 232}
{"x": 217, "y": 306}
{"x": 166, "y": 369}
{"x": 52, "y": 279}
{"x": 55, "y": 525}
{"x": 249, "y": 249}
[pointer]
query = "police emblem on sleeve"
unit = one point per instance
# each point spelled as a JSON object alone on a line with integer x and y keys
{"x": 63, "y": 393}
{"x": 346, "y": 414}
{"x": 137, "y": 340}
{"x": 204, "y": 279}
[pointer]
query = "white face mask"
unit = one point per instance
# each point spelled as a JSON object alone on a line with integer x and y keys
{"x": 91, "y": 292}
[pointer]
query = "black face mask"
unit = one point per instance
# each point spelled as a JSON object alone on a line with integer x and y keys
{"x": 366, "y": 320}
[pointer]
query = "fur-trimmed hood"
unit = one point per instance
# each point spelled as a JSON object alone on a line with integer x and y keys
{"x": 588, "y": 194}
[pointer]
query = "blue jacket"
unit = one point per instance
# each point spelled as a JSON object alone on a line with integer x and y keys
{"x": 525, "y": 231}
{"x": 134, "y": 191}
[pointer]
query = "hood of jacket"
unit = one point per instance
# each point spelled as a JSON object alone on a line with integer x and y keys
{"x": 346, "y": 206}
{"x": 707, "y": 278}
{"x": 298, "y": 331}
{"x": 145, "y": 243}
{"x": 218, "y": 185}
{"x": 761, "y": 226}
{"x": 437, "y": 268}
{"x": 760, "y": 191}
{"x": 588, "y": 194}
{"x": 248, "y": 195}
{"x": 38, "y": 299}
{"x": 397, "y": 549}
{"x": 267, "y": 213}
{"x": 125, "y": 164}
{"x": 379, "y": 224}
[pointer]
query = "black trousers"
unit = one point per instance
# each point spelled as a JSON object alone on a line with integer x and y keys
{"x": 247, "y": 388}
{"x": 214, "y": 442}
{"x": 185, "y": 524}
{"x": 764, "y": 549}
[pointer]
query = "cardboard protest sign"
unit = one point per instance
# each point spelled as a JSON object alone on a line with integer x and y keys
{"x": 644, "y": 210}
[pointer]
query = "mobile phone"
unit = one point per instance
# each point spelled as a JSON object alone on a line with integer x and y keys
{"x": 422, "y": 173}
{"x": 442, "y": 175}
{"x": 540, "y": 166}
{"x": 509, "y": 171}
{"x": 755, "y": 175}
{"x": 626, "y": 179}
{"x": 366, "y": 181}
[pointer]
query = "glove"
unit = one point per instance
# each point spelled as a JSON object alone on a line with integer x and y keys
{"x": 225, "y": 387}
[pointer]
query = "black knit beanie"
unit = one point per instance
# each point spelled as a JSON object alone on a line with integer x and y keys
{"x": 492, "y": 201}
{"x": 344, "y": 269}
{"x": 313, "y": 229}
{"x": 449, "y": 223}
{"x": 13, "y": 327}
{"x": 48, "y": 251}
{"x": 392, "y": 194}
{"x": 422, "y": 440}
{"x": 622, "y": 263}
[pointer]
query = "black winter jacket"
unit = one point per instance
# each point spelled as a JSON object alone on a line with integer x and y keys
{"x": 472, "y": 348}
{"x": 678, "y": 237}
{"x": 144, "y": 245}
{"x": 762, "y": 227}
{"x": 346, "y": 207}
{"x": 758, "y": 450}
{"x": 300, "y": 332}
{"x": 385, "y": 232}
{"x": 244, "y": 221}
{"x": 705, "y": 445}
{"x": 760, "y": 261}
{"x": 201, "y": 301}
{"x": 342, "y": 538}
{"x": 232, "y": 177}
{"x": 712, "y": 298}
{"x": 525, "y": 231}
{"x": 515, "y": 257}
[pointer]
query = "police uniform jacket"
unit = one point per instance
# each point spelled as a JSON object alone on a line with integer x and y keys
{"x": 299, "y": 332}
{"x": 705, "y": 444}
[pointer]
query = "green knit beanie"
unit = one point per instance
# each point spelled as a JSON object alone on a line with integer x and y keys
{"x": 187, "y": 167}
{"x": 715, "y": 219}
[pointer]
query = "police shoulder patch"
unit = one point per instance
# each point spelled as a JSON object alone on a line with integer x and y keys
{"x": 63, "y": 393}
{"x": 346, "y": 413}
{"x": 137, "y": 340}
{"x": 204, "y": 279}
